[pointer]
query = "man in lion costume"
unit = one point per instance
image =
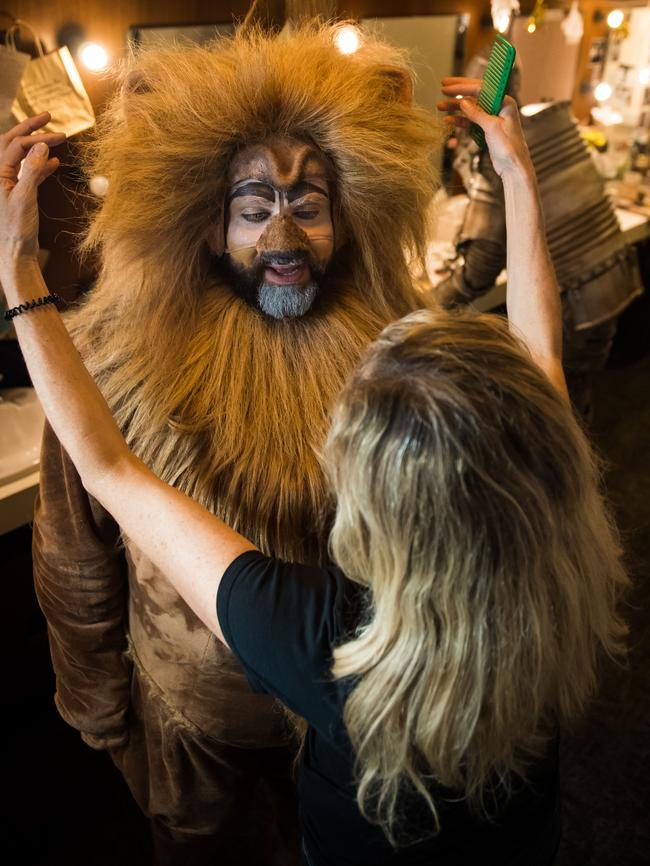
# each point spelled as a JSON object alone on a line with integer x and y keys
{"x": 265, "y": 196}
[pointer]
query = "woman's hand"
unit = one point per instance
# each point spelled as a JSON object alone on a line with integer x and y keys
{"x": 503, "y": 133}
{"x": 18, "y": 196}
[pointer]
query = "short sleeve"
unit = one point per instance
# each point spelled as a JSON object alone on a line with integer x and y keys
{"x": 280, "y": 621}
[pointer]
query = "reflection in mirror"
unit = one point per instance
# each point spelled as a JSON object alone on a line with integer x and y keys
{"x": 435, "y": 43}
{"x": 625, "y": 81}
{"x": 542, "y": 81}
{"x": 145, "y": 35}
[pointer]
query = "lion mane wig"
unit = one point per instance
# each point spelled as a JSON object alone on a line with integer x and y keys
{"x": 219, "y": 401}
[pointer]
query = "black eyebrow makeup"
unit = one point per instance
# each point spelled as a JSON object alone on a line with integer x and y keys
{"x": 260, "y": 189}
{"x": 254, "y": 188}
{"x": 302, "y": 188}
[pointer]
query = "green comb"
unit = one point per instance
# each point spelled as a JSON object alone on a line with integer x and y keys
{"x": 495, "y": 82}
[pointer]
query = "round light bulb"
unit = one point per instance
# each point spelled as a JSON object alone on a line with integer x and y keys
{"x": 533, "y": 108}
{"x": 98, "y": 185}
{"x": 615, "y": 18}
{"x": 644, "y": 75}
{"x": 503, "y": 21}
{"x": 348, "y": 39}
{"x": 603, "y": 91}
{"x": 532, "y": 27}
{"x": 93, "y": 56}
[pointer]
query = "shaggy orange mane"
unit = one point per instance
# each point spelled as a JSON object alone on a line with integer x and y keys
{"x": 226, "y": 405}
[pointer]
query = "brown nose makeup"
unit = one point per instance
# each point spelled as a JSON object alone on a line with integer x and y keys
{"x": 281, "y": 234}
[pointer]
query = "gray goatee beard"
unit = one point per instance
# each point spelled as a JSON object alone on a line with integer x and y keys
{"x": 286, "y": 302}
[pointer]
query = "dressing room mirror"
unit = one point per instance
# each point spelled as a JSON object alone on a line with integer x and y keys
{"x": 436, "y": 44}
{"x": 541, "y": 81}
{"x": 144, "y": 35}
{"x": 626, "y": 69}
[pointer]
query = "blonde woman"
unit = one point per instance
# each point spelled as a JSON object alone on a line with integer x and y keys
{"x": 476, "y": 570}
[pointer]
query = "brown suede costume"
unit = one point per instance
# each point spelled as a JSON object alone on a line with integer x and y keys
{"x": 188, "y": 742}
{"x": 136, "y": 672}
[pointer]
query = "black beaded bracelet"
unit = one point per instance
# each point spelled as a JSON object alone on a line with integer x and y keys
{"x": 31, "y": 305}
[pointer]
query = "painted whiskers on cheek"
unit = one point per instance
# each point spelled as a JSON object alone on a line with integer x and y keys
{"x": 285, "y": 272}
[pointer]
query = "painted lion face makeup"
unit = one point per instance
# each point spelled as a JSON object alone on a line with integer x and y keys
{"x": 279, "y": 231}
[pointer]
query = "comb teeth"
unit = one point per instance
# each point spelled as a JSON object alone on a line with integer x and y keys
{"x": 494, "y": 84}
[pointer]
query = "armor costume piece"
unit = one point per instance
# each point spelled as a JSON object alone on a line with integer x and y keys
{"x": 597, "y": 273}
{"x": 219, "y": 399}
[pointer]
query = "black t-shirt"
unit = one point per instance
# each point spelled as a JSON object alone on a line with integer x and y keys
{"x": 282, "y": 621}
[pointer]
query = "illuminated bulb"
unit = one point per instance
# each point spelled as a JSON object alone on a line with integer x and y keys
{"x": 615, "y": 18}
{"x": 98, "y": 185}
{"x": 532, "y": 27}
{"x": 603, "y": 91}
{"x": 93, "y": 56}
{"x": 644, "y": 75}
{"x": 533, "y": 108}
{"x": 502, "y": 21}
{"x": 347, "y": 40}
{"x": 573, "y": 25}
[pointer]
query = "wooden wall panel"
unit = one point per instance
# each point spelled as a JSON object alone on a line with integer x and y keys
{"x": 107, "y": 23}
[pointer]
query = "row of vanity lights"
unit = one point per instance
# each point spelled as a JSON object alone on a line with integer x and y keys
{"x": 94, "y": 56}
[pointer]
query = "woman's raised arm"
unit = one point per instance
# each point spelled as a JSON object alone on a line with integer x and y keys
{"x": 533, "y": 294}
{"x": 191, "y": 546}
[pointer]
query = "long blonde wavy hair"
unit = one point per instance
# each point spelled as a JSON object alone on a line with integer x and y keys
{"x": 220, "y": 402}
{"x": 468, "y": 503}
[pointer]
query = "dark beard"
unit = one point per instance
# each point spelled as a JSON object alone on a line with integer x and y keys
{"x": 275, "y": 301}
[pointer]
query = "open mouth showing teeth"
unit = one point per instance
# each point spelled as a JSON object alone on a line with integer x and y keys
{"x": 287, "y": 273}
{"x": 287, "y": 270}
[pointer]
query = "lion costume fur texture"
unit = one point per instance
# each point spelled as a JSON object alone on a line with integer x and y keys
{"x": 218, "y": 400}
